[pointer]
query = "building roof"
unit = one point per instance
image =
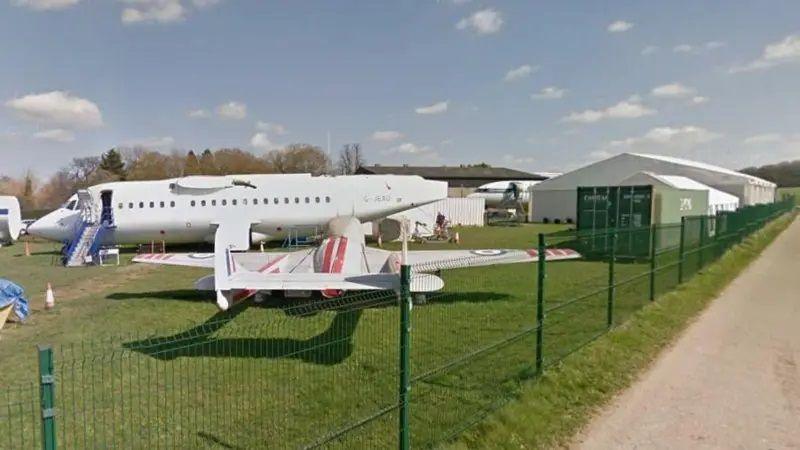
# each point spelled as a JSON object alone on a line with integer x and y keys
{"x": 715, "y": 196}
{"x": 452, "y": 172}
{"x": 704, "y": 166}
{"x": 613, "y": 170}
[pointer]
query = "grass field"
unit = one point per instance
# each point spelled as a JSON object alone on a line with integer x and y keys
{"x": 291, "y": 374}
{"x": 549, "y": 412}
{"x": 790, "y": 191}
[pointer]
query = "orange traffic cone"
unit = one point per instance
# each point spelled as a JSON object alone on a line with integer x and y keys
{"x": 49, "y": 298}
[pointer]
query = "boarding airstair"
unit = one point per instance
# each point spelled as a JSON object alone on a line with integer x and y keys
{"x": 513, "y": 199}
{"x": 87, "y": 234}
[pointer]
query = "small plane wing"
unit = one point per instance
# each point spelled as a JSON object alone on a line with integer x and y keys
{"x": 258, "y": 262}
{"x": 433, "y": 260}
{"x": 330, "y": 281}
{"x": 177, "y": 259}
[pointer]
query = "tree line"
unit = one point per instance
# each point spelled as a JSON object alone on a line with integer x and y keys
{"x": 784, "y": 174}
{"x": 134, "y": 164}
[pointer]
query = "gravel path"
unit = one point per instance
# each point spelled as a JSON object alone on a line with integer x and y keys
{"x": 732, "y": 380}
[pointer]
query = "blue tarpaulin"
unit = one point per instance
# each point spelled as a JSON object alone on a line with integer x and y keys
{"x": 12, "y": 294}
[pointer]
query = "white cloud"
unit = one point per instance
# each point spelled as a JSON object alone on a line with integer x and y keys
{"x": 713, "y": 45}
{"x": 153, "y": 11}
{"x": 771, "y": 147}
{"x": 436, "y": 108}
{"x": 672, "y": 90}
{"x": 57, "y": 108}
{"x": 272, "y": 128}
{"x": 198, "y": 114}
{"x": 766, "y": 138}
{"x": 649, "y": 50}
{"x": 409, "y": 148}
{"x": 515, "y": 161}
{"x": 46, "y": 5}
{"x": 619, "y": 26}
{"x": 700, "y": 48}
{"x": 152, "y": 143}
{"x": 699, "y": 100}
{"x": 386, "y": 135}
{"x": 55, "y": 135}
{"x": 549, "y": 93}
{"x": 202, "y": 4}
{"x": 519, "y": 73}
{"x": 662, "y": 139}
{"x": 485, "y": 21}
{"x": 774, "y": 54}
{"x": 261, "y": 141}
{"x": 232, "y": 110}
{"x": 626, "y": 109}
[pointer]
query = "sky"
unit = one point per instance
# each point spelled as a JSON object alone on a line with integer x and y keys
{"x": 533, "y": 85}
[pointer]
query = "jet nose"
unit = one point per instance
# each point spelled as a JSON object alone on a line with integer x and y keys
{"x": 45, "y": 228}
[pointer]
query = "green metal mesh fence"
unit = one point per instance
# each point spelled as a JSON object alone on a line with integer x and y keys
{"x": 327, "y": 373}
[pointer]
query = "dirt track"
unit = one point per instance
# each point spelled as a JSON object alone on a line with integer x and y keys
{"x": 732, "y": 380}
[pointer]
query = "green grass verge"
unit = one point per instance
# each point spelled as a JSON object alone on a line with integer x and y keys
{"x": 789, "y": 191}
{"x": 550, "y": 410}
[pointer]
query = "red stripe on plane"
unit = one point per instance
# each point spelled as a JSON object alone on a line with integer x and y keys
{"x": 335, "y": 266}
{"x": 340, "y": 254}
{"x": 266, "y": 267}
{"x": 326, "y": 258}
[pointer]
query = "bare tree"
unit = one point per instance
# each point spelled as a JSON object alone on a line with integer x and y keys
{"x": 299, "y": 158}
{"x": 350, "y": 159}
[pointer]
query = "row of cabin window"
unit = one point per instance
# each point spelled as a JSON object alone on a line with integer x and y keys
{"x": 224, "y": 202}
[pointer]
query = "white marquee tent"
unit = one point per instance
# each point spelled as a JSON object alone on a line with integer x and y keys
{"x": 556, "y": 198}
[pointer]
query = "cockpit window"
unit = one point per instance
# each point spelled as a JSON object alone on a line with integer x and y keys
{"x": 71, "y": 205}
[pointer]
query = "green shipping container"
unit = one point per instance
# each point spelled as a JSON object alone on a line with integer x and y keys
{"x": 601, "y": 208}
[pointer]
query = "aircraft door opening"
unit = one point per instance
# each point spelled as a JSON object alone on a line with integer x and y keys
{"x": 107, "y": 214}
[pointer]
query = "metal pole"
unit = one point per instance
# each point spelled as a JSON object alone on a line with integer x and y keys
{"x": 703, "y": 232}
{"x": 405, "y": 354}
{"x": 653, "y": 230}
{"x": 610, "y": 318}
{"x": 47, "y": 397}
{"x": 541, "y": 272}
{"x": 680, "y": 250}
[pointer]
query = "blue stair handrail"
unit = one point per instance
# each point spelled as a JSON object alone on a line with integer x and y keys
{"x": 97, "y": 241}
{"x": 76, "y": 237}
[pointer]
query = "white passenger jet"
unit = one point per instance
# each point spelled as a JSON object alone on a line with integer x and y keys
{"x": 342, "y": 262}
{"x": 504, "y": 194}
{"x": 245, "y": 208}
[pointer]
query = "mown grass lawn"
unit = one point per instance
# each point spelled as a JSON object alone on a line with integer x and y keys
{"x": 144, "y": 361}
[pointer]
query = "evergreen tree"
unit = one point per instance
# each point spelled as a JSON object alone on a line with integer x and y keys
{"x": 111, "y": 162}
{"x": 207, "y": 164}
{"x": 192, "y": 165}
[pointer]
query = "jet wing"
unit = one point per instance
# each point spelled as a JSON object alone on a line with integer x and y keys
{"x": 433, "y": 260}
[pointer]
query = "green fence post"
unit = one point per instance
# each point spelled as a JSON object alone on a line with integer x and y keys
{"x": 405, "y": 354}
{"x": 47, "y": 396}
{"x": 703, "y": 232}
{"x": 613, "y": 256}
{"x": 653, "y": 230}
{"x": 680, "y": 249}
{"x": 540, "y": 304}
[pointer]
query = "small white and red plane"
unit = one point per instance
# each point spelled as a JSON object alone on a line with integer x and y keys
{"x": 342, "y": 262}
